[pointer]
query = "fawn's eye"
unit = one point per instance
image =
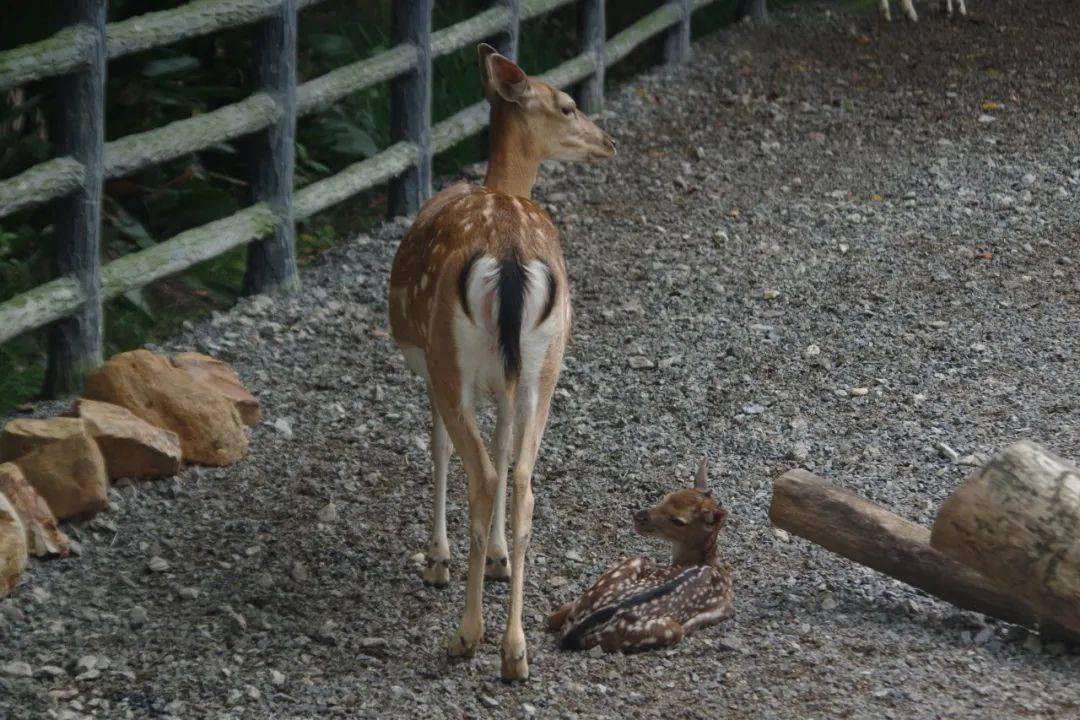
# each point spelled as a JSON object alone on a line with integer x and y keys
{"x": 568, "y": 110}
{"x": 677, "y": 522}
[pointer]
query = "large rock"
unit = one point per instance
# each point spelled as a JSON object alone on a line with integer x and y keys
{"x": 69, "y": 474}
{"x": 222, "y": 378}
{"x": 12, "y": 547}
{"x": 22, "y": 435}
{"x": 209, "y": 426}
{"x": 131, "y": 446}
{"x": 43, "y": 537}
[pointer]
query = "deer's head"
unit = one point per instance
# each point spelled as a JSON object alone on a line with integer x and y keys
{"x": 689, "y": 519}
{"x": 553, "y": 127}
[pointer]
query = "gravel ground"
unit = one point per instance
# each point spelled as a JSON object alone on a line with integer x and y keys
{"x": 814, "y": 207}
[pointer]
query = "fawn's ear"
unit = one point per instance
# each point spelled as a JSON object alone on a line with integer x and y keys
{"x": 501, "y": 77}
{"x": 701, "y": 480}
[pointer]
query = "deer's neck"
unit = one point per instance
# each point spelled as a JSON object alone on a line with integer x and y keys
{"x": 702, "y": 553}
{"x": 514, "y": 162}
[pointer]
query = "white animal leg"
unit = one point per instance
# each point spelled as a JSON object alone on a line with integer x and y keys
{"x": 437, "y": 571}
{"x": 909, "y": 9}
{"x": 885, "y": 11}
{"x": 497, "y": 565}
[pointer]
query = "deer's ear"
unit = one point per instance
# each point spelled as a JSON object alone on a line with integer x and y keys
{"x": 500, "y": 75}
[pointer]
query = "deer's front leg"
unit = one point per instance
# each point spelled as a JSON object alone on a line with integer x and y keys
{"x": 437, "y": 571}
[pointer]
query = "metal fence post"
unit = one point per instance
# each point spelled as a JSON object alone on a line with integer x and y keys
{"x": 592, "y": 33}
{"x": 410, "y": 105}
{"x": 506, "y": 42}
{"x": 677, "y": 40}
{"x": 75, "y": 342}
{"x": 271, "y": 262}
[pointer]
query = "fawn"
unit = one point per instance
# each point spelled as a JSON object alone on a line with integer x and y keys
{"x": 634, "y": 606}
{"x": 480, "y": 306}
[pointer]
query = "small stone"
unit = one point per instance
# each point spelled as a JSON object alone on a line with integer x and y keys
{"x": 1028, "y": 179}
{"x": 528, "y": 709}
{"x": 329, "y": 513}
{"x": 986, "y": 119}
{"x": 970, "y": 460}
{"x": 829, "y": 603}
{"x": 277, "y": 678}
{"x": 812, "y": 351}
{"x": 283, "y": 426}
{"x": 782, "y": 535}
{"x": 368, "y": 643}
{"x": 299, "y": 571}
{"x": 574, "y": 555}
{"x": 984, "y": 636}
{"x": 1032, "y": 643}
{"x": 640, "y": 362}
{"x": 858, "y": 391}
{"x": 753, "y": 409}
{"x": 188, "y": 593}
{"x": 418, "y": 558}
{"x": 558, "y": 581}
{"x": 16, "y": 668}
{"x": 158, "y": 564}
{"x": 946, "y": 452}
{"x": 596, "y": 652}
{"x": 138, "y": 616}
{"x": 252, "y": 692}
{"x": 799, "y": 452}
{"x": 979, "y": 347}
{"x": 843, "y": 248}
{"x": 770, "y": 294}
{"x": 49, "y": 671}
{"x": 488, "y": 701}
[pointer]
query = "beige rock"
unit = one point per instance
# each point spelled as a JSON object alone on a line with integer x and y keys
{"x": 131, "y": 446}
{"x": 222, "y": 378}
{"x": 22, "y": 435}
{"x": 43, "y": 537}
{"x": 69, "y": 474}
{"x": 209, "y": 426}
{"x": 12, "y": 547}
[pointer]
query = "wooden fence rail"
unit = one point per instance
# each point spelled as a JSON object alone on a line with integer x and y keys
{"x": 71, "y": 305}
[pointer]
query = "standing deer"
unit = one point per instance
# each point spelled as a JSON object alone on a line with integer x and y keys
{"x": 635, "y": 606}
{"x": 480, "y": 305}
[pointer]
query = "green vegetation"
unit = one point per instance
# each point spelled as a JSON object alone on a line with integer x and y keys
{"x": 151, "y": 89}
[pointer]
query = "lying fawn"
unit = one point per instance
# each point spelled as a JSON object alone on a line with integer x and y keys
{"x": 480, "y": 306}
{"x": 635, "y": 606}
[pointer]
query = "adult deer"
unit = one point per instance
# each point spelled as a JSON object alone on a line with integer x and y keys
{"x": 480, "y": 305}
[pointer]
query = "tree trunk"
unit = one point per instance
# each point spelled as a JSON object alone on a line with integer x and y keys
{"x": 1017, "y": 521}
{"x": 846, "y": 524}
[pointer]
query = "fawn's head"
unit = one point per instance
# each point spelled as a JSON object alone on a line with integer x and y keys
{"x": 552, "y": 125}
{"x": 689, "y": 519}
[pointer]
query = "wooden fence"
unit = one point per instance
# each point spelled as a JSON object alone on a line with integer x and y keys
{"x": 78, "y": 55}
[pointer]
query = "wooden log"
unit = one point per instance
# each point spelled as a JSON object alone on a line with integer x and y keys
{"x": 41, "y": 183}
{"x": 652, "y": 24}
{"x": 1017, "y": 521}
{"x": 322, "y": 92}
{"x": 354, "y": 179}
{"x": 846, "y": 524}
{"x": 75, "y": 342}
{"x": 32, "y": 309}
{"x": 677, "y": 40}
{"x": 271, "y": 261}
{"x": 410, "y": 106}
{"x": 67, "y": 51}
{"x": 592, "y": 33}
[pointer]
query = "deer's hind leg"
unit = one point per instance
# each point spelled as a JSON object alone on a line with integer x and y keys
{"x": 458, "y": 413}
{"x": 437, "y": 571}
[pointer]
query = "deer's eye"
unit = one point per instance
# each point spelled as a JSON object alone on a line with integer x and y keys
{"x": 568, "y": 111}
{"x": 677, "y": 521}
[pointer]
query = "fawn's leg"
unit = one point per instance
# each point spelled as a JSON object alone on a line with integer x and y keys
{"x": 460, "y": 419}
{"x": 535, "y": 403}
{"x": 437, "y": 571}
{"x": 909, "y": 9}
{"x": 885, "y": 11}
{"x": 496, "y": 564}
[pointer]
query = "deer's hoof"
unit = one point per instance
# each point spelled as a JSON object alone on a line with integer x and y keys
{"x": 463, "y": 644}
{"x": 515, "y": 666}
{"x": 497, "y": 568}
{"x": 437, "y": 572}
